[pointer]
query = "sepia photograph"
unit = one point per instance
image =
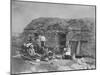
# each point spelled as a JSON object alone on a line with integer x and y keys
{"x": 52, "y": 37}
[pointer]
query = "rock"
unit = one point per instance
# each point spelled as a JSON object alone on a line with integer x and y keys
{"x": 77, "y": 66}
{"x": 55, "y": 60}
{"x": 81, "y": 61}
{"x": 64, "y": 68}
{"x": 44, "y": 70}
{"x": 46, "y": 59}
{"x": 91, "y": 67}
{"x": 37, "y": 60}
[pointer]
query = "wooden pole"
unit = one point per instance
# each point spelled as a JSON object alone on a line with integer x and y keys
{"x": 56, "y": 39}
{"x": 78, "y": 48}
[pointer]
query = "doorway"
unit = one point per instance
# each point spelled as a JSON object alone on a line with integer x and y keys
{"x": 61, "y": 41}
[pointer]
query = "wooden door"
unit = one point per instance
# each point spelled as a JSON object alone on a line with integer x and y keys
{"x": 73, "y": 45}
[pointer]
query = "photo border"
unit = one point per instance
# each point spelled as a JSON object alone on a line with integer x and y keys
{"x": 58, "y": 4}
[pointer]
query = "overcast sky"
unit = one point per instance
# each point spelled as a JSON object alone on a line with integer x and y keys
{"x": 24, "y": 12}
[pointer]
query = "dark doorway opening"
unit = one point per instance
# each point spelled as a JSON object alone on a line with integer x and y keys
{"x": 62, "y": 41}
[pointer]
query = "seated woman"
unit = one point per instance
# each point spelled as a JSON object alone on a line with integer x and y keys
{"x": 31, "y": 50}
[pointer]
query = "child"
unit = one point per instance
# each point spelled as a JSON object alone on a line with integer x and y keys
{"x": 67, "y": 53}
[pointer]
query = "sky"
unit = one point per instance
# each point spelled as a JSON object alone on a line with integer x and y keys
{"x": 24, "y": 12}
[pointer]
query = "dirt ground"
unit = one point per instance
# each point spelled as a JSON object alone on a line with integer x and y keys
{"x": 21, "y": 66}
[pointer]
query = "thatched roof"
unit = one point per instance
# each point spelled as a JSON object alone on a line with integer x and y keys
{"x": 79, "y": 28}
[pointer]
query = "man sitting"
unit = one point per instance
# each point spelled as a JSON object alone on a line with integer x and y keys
{"x": 42, "y": 39}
